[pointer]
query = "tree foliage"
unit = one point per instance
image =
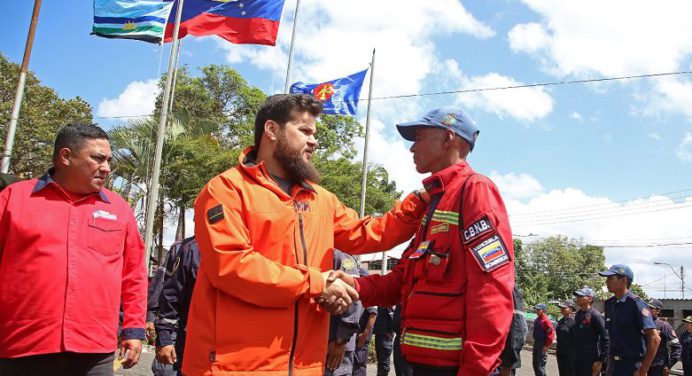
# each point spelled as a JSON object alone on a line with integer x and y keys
{"x": 41, "y": 115}
{"x": 553, "y": 268}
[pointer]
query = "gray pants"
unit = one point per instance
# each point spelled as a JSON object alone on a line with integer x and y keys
{"x": 59, "y": 364}
{"x": 540, "y": 358}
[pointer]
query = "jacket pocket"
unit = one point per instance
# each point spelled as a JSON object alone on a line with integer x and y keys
{"x": 105, "y": 236}
{"x": 429, "y": 303}
{"x": 432, "y": 342}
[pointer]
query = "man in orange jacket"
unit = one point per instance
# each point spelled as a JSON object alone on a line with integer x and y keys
{"x": 266, "y": 232}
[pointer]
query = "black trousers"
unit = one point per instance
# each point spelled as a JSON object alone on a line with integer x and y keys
{"x": 564, "y": 365}
{"x": 59, "y": 364}
{"x": 656, "y": 370}
{"x": 401, "y": 368}
{"x": 383, "y": 350}
{"x": 433, "y": 371}
{"x": 583, "y": 367}
{"x": 623, "y": 367}
{"x": 540, "y": 358}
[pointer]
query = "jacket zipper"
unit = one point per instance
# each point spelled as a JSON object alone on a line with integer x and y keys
{"x": 295, "y": 320}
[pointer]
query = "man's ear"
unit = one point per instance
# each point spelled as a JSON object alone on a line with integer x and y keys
{"x": 271, "y": 128}
{"x": 64, "y": 157}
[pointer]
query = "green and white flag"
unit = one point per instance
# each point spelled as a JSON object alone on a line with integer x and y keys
{"x": 131, "y": 19}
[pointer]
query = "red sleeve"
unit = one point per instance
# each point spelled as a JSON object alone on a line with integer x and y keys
{"x": 489, "y": 304}
{"x": 549, "y": 330}
{"x": 382, "y": 290}
{"x": 134, "y": 280}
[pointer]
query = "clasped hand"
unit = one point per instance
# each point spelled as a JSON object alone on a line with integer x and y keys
{"x": 339, "y": 292}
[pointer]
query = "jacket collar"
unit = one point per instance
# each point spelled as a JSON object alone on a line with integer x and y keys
{"x": 437, "y": 182}
{"x": 258, "y": 171}
{"x": 47, "y": 180}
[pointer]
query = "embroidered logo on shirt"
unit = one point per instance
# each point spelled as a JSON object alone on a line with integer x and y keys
{"x": 348, "y": 264}
{"x": 646, "y": 312}
{"x": 490, "y": 253}
{"x": 477, "y": 229}
{"x": 443, "y": 227}
{"x": 105, "y": 215}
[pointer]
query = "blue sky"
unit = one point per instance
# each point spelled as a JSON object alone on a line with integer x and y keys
{"x": 570, "y": 152}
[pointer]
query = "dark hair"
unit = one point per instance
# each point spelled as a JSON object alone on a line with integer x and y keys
{"x": 73, "y": 136}
{"x": 280, "y": 108}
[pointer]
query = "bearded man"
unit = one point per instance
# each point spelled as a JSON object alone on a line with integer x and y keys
{"x": 266, "y": 232}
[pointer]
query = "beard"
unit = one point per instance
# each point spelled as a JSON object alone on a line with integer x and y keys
{"x": 292, "y": 161}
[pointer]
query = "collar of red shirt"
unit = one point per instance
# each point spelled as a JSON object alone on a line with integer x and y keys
{"x": 435, "y": 183}
{"x": 46, "y": 180}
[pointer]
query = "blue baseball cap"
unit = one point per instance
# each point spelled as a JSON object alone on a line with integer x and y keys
{"x": 567, "y": 303}
{"x": 541, "y": 306}
{"x": 452, "y": 118}
{"x": 619, "y": 269}
{"x": 585, "y": 291}
{"x": 655, "y": 303}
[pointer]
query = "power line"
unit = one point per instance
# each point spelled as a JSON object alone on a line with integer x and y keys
{"x": 496, "y": 88}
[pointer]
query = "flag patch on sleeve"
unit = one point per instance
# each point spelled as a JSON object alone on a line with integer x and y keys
{"x": 215, "y": 214}
{"x": 490, "y": 253}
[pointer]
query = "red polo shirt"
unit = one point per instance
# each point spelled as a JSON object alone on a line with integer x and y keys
{"x": 65, "y": 267}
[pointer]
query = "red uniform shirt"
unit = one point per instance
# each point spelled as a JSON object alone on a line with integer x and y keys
{"x": 65, "y": 267}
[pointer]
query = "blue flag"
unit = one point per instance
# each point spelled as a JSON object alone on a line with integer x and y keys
{"x": 339, "y": 96}
{"x": 131, "y": 19}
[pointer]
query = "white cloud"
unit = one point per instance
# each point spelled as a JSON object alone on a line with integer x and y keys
{"x": 601, "y": 221}
{"x": 529, "y": 37}
{"x": 685, "y": 148}
{"x": 525, "y": 104}
{"x": 610, "y": 38}
{"x": 655, "y": 136}
{"x": 517, "y": 186}
{"x": 138, "y": 99}
{"x": 576, "y": 116}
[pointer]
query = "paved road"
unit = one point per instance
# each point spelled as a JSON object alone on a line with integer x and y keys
{"x": 144, "y": 366}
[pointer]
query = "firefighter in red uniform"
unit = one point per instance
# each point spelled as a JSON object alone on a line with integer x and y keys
{"x": 455, "y": 279}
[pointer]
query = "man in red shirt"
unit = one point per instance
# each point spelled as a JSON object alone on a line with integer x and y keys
{"x": 543, "y": 337}
{"x": 70, "y": 255}
{"x": 455, "y": 279}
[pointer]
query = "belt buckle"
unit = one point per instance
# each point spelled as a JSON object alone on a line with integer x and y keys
{"x": 616, "y": 357}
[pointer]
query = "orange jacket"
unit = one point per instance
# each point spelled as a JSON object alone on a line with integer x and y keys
{"x": 263, "y": 253}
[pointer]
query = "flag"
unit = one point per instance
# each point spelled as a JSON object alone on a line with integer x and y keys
{"x": 131, "y": 19}
{"x": 237, "y": 21}
{"x": 339, "y": 96}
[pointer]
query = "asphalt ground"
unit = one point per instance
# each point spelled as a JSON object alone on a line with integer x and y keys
{"x": 143, "y": 368}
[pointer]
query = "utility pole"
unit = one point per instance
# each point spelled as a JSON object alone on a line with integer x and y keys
{"x": 682, "y": 280}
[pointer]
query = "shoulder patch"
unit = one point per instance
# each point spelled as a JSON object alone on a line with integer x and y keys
{"x": 348, "y": 264}
{"x": 490, "y": 253}
{"x": 215, "y": 214}
{"x": 646, "y": 312}
{"x": 478, "y": 228}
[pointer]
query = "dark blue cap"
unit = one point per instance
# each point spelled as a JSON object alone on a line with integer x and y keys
{"x": 585, "y": 291}
{"x": 452, "y": 118}
{"x": 619, "y": 269}
{"x": 568, "y": 303}
{"x": 655, "y": 303}
{"x": 542, "y": 306}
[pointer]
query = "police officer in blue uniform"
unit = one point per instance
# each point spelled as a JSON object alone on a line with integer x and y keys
{"x": 589, "y": 336}
{"x": 174, "y": 303}
{"x": 401, "y": 367}
{"x": 633, "y": 336}
{"x": 384, "y": 339}
{"x": 343, "y": 328}
{"x": 563, "y": 332}
{"x": 669, "y": 349}
{"x": 686, "y": 342}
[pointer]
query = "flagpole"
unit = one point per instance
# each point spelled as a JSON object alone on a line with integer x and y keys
{"x": 290, "y": 49}
{"x": 12, "y": 126}
{"x": 364, "y": 181}
{"x": 152, "y": 195}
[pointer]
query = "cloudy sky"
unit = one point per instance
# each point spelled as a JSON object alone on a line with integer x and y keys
{"x": 607, "y": 162}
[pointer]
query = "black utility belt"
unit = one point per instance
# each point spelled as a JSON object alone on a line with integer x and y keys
{"x": 626, "y": 358}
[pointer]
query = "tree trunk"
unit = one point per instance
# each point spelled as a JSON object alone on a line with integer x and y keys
{"x": 180, "y": 232}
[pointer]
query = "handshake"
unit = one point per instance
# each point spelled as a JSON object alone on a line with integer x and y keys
{"x": 339, "y": 291}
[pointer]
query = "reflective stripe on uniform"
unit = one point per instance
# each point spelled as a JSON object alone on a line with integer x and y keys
{"x": 449, "y": 217}
{"x": 431, "y": 342}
